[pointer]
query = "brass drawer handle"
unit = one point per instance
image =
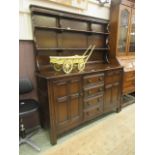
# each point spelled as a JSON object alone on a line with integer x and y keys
{"x": 100, "y": 78}
{"x": 89, "y": 80}
{"x": 100, "y": 89}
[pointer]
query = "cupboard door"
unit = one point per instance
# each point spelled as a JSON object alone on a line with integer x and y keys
{"x": 112, "y": 97}
{"x": 131, "y": 49}
{"x": 68, "y": 103}
{"x": 123, "y": 30}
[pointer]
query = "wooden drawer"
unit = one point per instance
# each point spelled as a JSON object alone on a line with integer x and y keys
{"x": 93, "y": 101}
{"x": 113, "y": 76}
{"x": 93, "y": 91}
{"x": 127, "y": 90}
{"x": 129, "y": 83}
{"x": 93, "y": 79}
{"x": 129, "y": 76}
{"x": 93, "y": 112}
{"x": 129, "y": 86}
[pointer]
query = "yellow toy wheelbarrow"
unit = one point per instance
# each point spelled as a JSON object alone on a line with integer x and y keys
{"x": 67, "y": 63}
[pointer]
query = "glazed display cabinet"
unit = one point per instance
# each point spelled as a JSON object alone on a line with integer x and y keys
{"x": 122, "y": 39}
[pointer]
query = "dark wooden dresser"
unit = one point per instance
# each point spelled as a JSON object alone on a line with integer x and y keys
{"x": 69, "y": 100}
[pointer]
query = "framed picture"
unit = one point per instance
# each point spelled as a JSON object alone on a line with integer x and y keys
{"x": 80, "y": 4}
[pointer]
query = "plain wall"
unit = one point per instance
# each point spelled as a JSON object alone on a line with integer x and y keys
{"x": 25, "y": 26}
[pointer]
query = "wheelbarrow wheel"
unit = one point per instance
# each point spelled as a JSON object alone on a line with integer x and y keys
{"x": 67, "y": 66}
{"x": 57, "y": 67}
{"x": 81, "y": 66}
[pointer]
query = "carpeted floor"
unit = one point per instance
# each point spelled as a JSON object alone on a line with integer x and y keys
{"x": 111, "y": 135}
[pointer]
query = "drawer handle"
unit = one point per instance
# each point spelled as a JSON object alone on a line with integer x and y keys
{"x": 100, "y": 78}
{"x": 87, "y": 113}
{"x": 100, "y": 89}
{"x": 89, "y": 81}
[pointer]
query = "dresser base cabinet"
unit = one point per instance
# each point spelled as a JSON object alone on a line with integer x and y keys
{"x": 68, "y": 102}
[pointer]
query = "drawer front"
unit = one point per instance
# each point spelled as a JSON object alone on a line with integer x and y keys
{"x": 93, "y": 112}
{"x": 129, "y": 83}
{"x": 94, "y": 101}
{"x": 93, "y": 91}
{"x": 128, "y": 89}
{"x": 93, "y": 79}
{"x": 113, "y": 76}
{"x": 129, "y": 76}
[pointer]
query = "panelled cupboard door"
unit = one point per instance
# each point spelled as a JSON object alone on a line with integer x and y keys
{"x": 123, "y": 30}
{"x": 112, "y": 90}
{"x": 67, "y": 97}
{"x": 112, "y": 97}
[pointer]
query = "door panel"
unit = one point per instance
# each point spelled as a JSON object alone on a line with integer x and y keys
{"x": 75, "y": 108}
{"x": 132, "y": 34}
{"x": 123, "y": 30}
{"x": 68, "y": 103}
{"x": 62, "y": 112}
{"x": 112, "y": 97}
{"x": 107, "y": 98}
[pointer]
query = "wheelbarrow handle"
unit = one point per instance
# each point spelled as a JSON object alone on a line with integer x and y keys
{"x": 92, "y": 49}
{"x": 90, "y": 46}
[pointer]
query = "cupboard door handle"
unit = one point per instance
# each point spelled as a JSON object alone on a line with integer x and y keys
{"x": 81, "y": 94}
{"x": 88, "y": 103}
{"x": 98, "y": 109}
{"x": 98, "y": 99}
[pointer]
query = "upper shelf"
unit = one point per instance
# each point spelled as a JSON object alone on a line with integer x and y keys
{"x": 63, "y": 14}
{"x": 70, "y": 49}
{"x": 70, "y": 30}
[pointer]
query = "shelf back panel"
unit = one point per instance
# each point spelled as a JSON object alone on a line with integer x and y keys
{"x": 57, "y": 35}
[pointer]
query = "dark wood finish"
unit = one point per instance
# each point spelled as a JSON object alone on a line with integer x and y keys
{"x": 113, "y": 85}
{"x": 69, "y": 100}
{"x": 125, "y": 57}
{"x": 62, "y": 33}
{"x": 75, "y": 99}
{"x": 67, "y": 97}
{"x": 115, "y": 17}
{"x": 129, "y": 82}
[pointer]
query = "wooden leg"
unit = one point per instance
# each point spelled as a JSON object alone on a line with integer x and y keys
{"x": 118, "y": 109}
{"x": 52, "y": 115}
{"x": 53, "y": 138}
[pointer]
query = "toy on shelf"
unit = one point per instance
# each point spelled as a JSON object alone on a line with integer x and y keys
{"x": 67, "y": 63}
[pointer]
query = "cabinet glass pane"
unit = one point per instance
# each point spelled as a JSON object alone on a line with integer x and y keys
{"x": 123, "y": 30}
{"x": 132, "y": 35}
